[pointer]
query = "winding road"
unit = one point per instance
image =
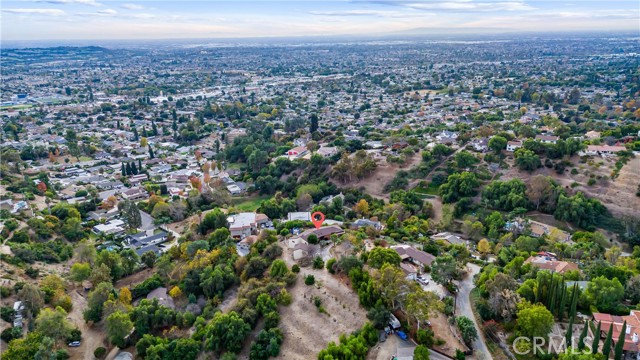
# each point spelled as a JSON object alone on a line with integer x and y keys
{"x": 464, "y": 307}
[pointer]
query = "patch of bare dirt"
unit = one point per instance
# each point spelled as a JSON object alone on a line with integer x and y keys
{"x": 306, "y": 330}
{"x": 92, "y": 337}
{"x": 384, "y": 173}
{"x": 618, "y": 195}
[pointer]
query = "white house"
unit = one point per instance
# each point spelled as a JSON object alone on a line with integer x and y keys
{"x": 547, "y": 139}
{"x": 245, "y": 224}
{"x": 514, "y": 145}
{"x": 602, "y": 150}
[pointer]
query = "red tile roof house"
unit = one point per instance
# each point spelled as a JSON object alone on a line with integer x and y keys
{"x": 551, "y": 264}
{"x": 631, "y": 346}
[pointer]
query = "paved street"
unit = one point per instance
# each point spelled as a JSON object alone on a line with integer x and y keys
{"x": 464, "y": 307}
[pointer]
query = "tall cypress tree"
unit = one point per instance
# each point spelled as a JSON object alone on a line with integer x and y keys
{"x": 122, "y": 170}
{"x": 541, "y": 285}
{"x": 551, "y": 299}
{"x": 569, "y": 334}
{"x": 151, "y": 156}
{"x": 154, "y": 128}
{"x": 563, "y": 302}
{"x": 128, "y": 169}
{"x": 574, "y": 301}
{"x": 606, "y": 347}
{"x": 583, "y": 335}
{"x": 136, "y": 137}
{"x": 617, "y": 355}
{"x": 134, "y": 169}
{"x": 596, "y": 340}
{"x": 140, "y": 165}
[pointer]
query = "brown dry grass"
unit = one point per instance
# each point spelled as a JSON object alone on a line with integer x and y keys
{"x": 617, "y": 195}
{"x": 306, "y": 330}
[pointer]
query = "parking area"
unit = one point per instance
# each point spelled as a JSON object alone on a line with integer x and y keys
{"x": 392, "y": 347}
{"x": 429, "y": 285}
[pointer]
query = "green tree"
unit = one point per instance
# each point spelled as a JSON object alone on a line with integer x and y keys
{"x": 527, "y": 160}
{"x": 130, "y": 214}
{"x": 465, "y": 159}
{"x": 267, "y": 344}
{"x": 602, "y": 292}
{"x": 215, "y": 219}
{"x": 617, "y": 355}
{"x": 583, "y": 335}
{"x": 606, "y": 348}
{"x": 467, "y": 329}
{"x": 421, "y": 352}
{"x": 32, "y": 297}
{"x": 96, "y": 300}
{"x": 596, "y": 339}
{"x": 497, "y": 143}
{"x": 53, "y": 324}
{"x": 72, "y": 229}
{"x": 379, "y": 256}
{"x": 226, "y": 332}
{"x": 265, "y": 304}
{"x": 119, "y": 326}
{"x": 459, "y": 185}
{"x": 534, "y": 320}
{"x": 444, "y": 269}
{"x": 314, "y": 123}
{"x": 148, "y": 258}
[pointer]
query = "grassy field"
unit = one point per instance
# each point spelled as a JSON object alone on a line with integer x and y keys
{"x": 250, "y": 203}
{"x": 429, "y": 190}
{"x": 16, "y": 107}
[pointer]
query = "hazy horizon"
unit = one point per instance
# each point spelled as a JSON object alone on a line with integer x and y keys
{"x": 95, "y": 20}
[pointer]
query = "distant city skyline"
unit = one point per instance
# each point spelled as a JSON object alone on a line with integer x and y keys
{"x": 121, "y": 20}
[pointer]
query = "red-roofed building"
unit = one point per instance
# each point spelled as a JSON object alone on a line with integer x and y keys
{"x": 545, "y": 262}
{"x": 631, "y": 339}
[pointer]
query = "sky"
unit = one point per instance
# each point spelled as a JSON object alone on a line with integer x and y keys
{"x": 174, "y": 19}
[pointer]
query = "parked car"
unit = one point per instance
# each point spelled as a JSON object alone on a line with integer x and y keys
{"x": 402, "y": 335}
{"x": 74, "y": 344}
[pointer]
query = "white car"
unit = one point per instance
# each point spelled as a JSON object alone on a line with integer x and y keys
{"x": 74, "y": 344}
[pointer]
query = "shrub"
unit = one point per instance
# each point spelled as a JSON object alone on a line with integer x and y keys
{"x": 318, "y": 263}
{"x": 7, "y": 313}
{"x": 11, "y": 333}
{"x": 5, "y": 292}
{"x": 330, "y": 265}
{"x": 99, "y": 352}
{"x": 32, "y": 272}
{"x": 425, "y": 337}
{"x": 62, "y": 354}
{"x": 312, "y": 239}
{"x": 591, "y": 182}
{"x": 295, "y": 268}
{"x": 146, "y": 286}
{"x": 74, "y": 335}
{"x": 310, "y": 280}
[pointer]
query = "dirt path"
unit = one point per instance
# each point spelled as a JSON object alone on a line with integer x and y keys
{"x": 91, "y": 337}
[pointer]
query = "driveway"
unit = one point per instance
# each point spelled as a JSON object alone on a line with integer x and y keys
{"x": 147, "y": 221}
{"x": 464, "y": 307}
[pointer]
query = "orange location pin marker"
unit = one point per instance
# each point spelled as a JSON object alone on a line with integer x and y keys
{"x": 317, "y": 218}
